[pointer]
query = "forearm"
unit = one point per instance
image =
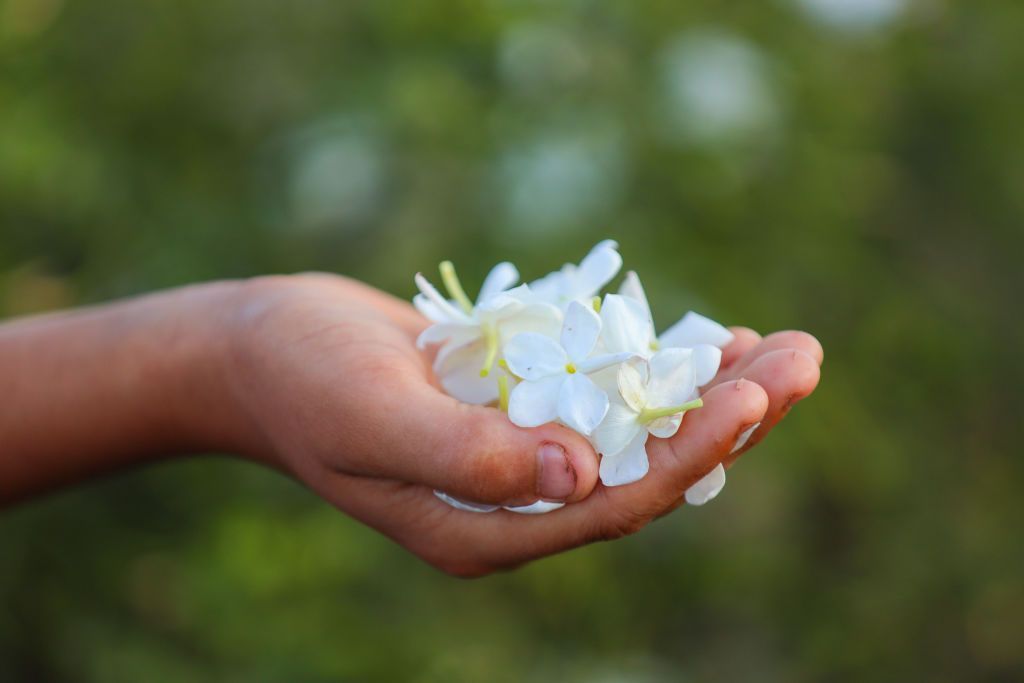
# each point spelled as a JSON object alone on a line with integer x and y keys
{"x": 88, "y": 391}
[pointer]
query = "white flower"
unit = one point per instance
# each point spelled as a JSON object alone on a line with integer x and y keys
{"x": 583, "y": 282}
{"x": 554, "y": 374}
{"x": 472, "y": 335}
{"x": 654, "y": 396}
{"x": 629, "y": 315}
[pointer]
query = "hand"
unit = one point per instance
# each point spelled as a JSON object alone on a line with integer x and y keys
{"x": 331, "y": 388}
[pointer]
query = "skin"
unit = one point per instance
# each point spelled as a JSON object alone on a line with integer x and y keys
{"x": 318, "y": 376}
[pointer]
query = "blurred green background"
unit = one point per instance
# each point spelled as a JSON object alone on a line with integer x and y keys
{"x": 850, "y": 167}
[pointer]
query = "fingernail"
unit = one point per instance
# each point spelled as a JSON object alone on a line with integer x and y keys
{"x": 556, "y": 478}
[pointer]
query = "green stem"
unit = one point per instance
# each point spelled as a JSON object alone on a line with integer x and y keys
{"x": 503, "y": 393}
{"x": 454, "y": 287}
{"x": 648, "y": 415}
{"x": 491, "y": 340}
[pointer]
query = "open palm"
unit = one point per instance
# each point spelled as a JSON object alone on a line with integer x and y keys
{"x": 334, "y": 391}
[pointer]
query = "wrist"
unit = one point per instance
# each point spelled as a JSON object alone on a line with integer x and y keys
{"x": 222, "y": 368}
{"x": 203, "y": 411}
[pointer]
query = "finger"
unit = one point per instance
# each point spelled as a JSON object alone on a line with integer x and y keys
{"x": 504, "y": 539}
{"x": 792, "y": 339}
{"x": 744, "y": 339}
{"x": 702, "y": 442}
{"x": 787, "y": 377}
{"x": 472, "y": 452}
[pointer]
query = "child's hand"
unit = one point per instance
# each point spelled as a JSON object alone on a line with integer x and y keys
{"x": 325, "y": 382}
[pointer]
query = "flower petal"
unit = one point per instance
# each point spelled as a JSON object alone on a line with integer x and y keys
{"x": 442, "y": 305}
{"x": 673, "y": 378}
{"x": 706, "y": 360}
{"x": 597, "y": 363}
{"x": 618, "y": 428}
{"x": 464, "y": 383}
{"x": 539, "y": 318}
{"x": 707, "y": 488}
{"x": 502, "y": 277}
{"x": 580, "y": 330}
{"x": 465, "y": 504}
{"x": 625, "y": 325}
{"x": 632, "y": 289}
{"x": 597, "y": 269}
{"x": 532, "y": 404}
{"x": 743, "y": 438}
{"x": 532, "y": 356}
{"x": 429, "y": 310}
{"x": 665, "y": 427}
{"x": 632, "y": 383}
{"x": 581, "y": 403}
{"x": 455, "y": 333}
{"x": 552, "y": 287}
{"x": 498, "y": 306}
{"x": 694, "y": 329}
{"x": 630, "y": 465}
{"x": 541, "y": 507}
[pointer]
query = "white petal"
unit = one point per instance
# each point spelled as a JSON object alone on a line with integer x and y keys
{"x": 632, "y": 289}
{"x": 665, "y": 427}
{"x": 455, "y": 333}
{"x": 465, "y": 383}
{"x": 743, "y": 438}
{"x": 618, "y": 428}
{"x": 706, "y": 359}
{"x": 502, "y": 277}
{"x": 465, "y": 504}
{"x": 632, "y": 383}
{"x": 607, "y": 379}
{"x": 694, "y": 329}
{"x": 581, "y": 403}
{"x": 673, "y": 378}
{"x": 541, "y": 507}
{"x": 440, "y": 303}
{"x": 539, "y": 318}
{"x": 500, "y": 305}
{"x": 429, "y": 310}
{"x": 597, "y": 269}
{"x": 707, "y": 488}
{"x": 580, "y": 331}
{"x": 451, "y": 355}
{"x": 532, "y": 356}
{"x": 625, "y": 325}
{"x": 532, "y": 404}
{"x": 628, "y": 466}
{"x": 597, "y": 363}
{"x": 552, "y": 287}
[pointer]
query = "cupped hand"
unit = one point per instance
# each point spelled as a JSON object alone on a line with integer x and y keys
{"x": 330, "y": 387}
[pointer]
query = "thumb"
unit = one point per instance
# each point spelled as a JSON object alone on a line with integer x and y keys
{"x": 475, "y": 453}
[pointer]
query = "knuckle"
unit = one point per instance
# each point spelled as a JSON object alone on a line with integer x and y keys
{"x": 494, "y": 469}
{"x": 500, "y": 478}
{"x": 622, "y": 523}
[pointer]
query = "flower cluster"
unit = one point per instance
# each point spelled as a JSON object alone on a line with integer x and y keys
{"x": 554, "y": 350}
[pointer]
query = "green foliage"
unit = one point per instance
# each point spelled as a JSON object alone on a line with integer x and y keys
{"x": 758, "y": 164}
